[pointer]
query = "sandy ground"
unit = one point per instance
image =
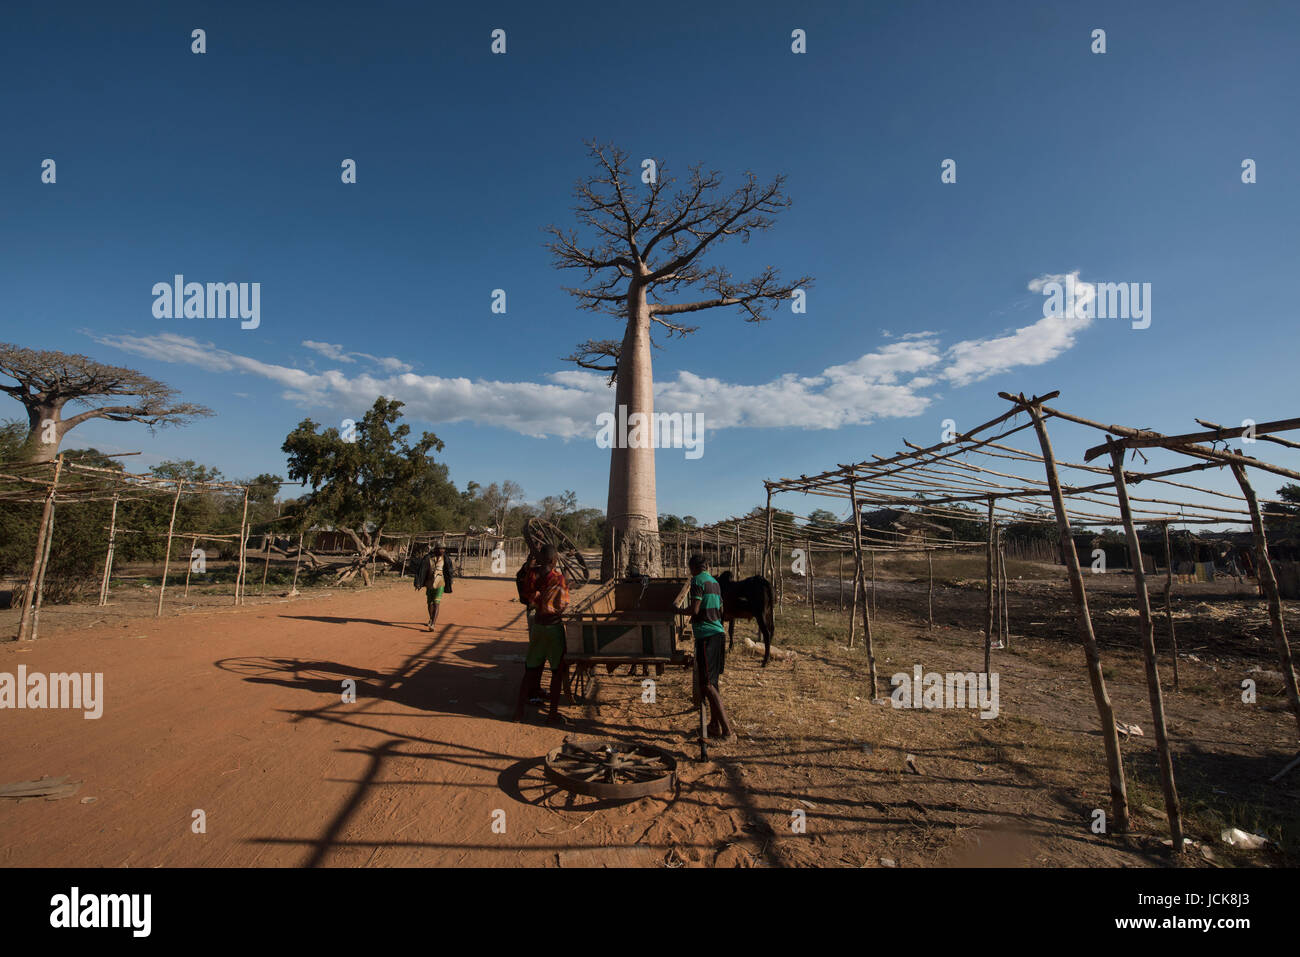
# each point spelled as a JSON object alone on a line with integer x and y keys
{"x": 238, "y": 712}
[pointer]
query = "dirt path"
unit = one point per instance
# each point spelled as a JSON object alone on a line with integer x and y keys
{"x": 239, "y": 713}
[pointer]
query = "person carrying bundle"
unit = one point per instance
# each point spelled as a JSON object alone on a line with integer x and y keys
{"x": 433, "y": 573}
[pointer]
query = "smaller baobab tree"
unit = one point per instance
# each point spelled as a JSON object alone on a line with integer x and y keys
{"x": 46, "y": 381}
{"x": 644, "y": 247}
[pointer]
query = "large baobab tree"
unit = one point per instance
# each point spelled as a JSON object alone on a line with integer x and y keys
{"x": 642, "y": 247}
{"x": 45, "y": 381}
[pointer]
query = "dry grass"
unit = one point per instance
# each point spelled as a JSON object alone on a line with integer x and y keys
{"x": 1034, "y": 774}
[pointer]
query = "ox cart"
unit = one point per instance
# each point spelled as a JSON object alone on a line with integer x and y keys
{"x": 633, "y": 621}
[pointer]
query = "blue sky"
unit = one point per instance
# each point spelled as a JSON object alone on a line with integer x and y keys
{"x": 226, "y": 167}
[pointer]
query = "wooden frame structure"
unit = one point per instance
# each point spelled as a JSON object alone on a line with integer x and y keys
{"x": 63, "y": 482}
{"x": 981, "y": 469}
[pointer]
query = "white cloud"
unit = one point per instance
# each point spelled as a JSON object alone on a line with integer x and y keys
{"x": 1031, "y": 345}
{"x": 894, "y": 381}
{"x": 329, "y": 350}
{"x": 389, "y": 363}
{"x": 336, "y": 352}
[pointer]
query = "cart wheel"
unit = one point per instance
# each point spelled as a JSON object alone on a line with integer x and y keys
{"x": 610, "y": 769}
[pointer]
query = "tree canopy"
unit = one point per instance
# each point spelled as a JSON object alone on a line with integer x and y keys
{"x": 45, "y": 381}
{"x": 652, "y": 241}
{"x": 376, "y": 477}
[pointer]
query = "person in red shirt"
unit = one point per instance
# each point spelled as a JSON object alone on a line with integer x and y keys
{"x": 523, "y": 585}
{"x": 546, "y": 593}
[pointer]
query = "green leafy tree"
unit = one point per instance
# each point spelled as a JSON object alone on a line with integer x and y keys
{"x": 589, "y": 527}
{"x": 670, "y": 523}
{"x": 12, "y": 433}
{"x": 1283, "y": 521}
{"x": 822, "y": 519}
{"x": 77, "y": 549}
{"x": 377, "y": 481}
{"x": 965, "y": 523}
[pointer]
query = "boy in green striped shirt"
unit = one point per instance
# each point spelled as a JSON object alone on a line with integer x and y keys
{"x": 710, "y": 651}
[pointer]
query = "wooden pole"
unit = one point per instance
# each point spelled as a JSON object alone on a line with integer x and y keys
{"x": 108, "y": 556}
{"x": 189, "y": 566}
{"x": 243, "y": 538}
{"x": 767, "y": 542}
{"x": 929, "y": 559}
{"x": 867, "y": 640}
{"x": 988, "y": 592}
{"x": 40, "y": 582}
{"x": 266, "y": 565}
{"x": 43, "y": 532}
{"x": 1268, "y": 582}
{"x": 871, "y": 608}
{"x": 1169, "y": 607}
{"x": 1004, "y": 589}
{"x": 1083, "y": 626}
{"x": 997, "y": 588}
{"x": 297, "y": 560}
{"x": 778, "y": 570}
{"x": 1148, "y": 641}
{"x": 840, "y": 575}
{"x": 167, "y": 555}
{"x": 808, "y": 567}
{"x": 857, "y": 560}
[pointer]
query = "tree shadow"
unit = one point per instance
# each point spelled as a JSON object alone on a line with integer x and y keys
{"x": 331, "y": 620}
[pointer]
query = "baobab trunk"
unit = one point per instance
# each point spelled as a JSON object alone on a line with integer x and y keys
{"x": 44, "y": 433}
{"x": 632, "y": 514}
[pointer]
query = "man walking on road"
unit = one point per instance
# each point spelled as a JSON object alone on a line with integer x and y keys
{"x": 433, "y": 573}
{"x": 710, "y": 652}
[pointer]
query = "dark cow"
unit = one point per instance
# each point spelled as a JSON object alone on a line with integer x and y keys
{"x": 748, "y": 598}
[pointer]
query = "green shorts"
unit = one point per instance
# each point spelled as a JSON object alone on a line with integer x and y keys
{"x": 545, "y": 643}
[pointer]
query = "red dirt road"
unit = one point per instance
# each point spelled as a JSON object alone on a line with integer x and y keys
{"x": 239, "y": 713}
